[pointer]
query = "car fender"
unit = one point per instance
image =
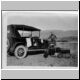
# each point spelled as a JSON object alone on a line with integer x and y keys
{"x": 15, "y": 45}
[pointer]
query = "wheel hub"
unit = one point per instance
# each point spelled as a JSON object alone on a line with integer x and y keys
{"x": 20, "y": 52}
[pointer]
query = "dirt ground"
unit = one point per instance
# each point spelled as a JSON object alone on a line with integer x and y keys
{"x": 39, "y": 60}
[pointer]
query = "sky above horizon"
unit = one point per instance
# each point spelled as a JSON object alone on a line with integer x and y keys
{"x": 50, "y": 20}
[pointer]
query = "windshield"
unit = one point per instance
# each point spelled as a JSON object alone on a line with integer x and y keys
{"x": 24, "y": 33}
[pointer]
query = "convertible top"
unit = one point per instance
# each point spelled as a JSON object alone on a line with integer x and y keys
{"x": 22, "y": 27}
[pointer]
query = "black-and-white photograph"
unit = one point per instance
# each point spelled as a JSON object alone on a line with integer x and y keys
{"x": 42, "y": 38}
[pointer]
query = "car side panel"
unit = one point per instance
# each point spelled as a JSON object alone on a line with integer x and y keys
{"x": 14, "y": 41}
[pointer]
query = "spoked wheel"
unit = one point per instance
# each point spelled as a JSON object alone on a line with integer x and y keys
{"x": 20, "y": 52}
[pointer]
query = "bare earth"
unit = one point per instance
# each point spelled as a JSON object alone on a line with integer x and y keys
{"x": 39, "y": 60}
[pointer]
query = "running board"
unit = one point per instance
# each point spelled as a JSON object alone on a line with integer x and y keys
{"x": 37, "y": 50}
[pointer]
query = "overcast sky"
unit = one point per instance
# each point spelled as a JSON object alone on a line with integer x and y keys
{"x": 52, "y": 20}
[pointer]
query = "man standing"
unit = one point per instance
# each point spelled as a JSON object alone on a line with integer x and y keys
{"x": 52, "y": 43}
{"x": 52, "y": 39}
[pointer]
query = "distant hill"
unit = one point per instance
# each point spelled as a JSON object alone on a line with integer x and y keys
{"x": 59, "y": 33}
{"x": 67, "y": 39}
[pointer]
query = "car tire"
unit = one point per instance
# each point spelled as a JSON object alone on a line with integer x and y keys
{"x": 20, "y": 52}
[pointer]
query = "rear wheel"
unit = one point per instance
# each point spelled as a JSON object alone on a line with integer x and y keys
{"x": 20, "y": 51}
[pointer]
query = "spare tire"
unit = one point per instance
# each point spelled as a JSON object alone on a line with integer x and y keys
{"x": 20, "y": 51}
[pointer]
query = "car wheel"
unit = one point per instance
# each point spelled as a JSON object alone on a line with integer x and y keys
{"x": 20, "y": 51}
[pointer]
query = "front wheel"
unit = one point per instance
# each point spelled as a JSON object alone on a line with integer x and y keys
{"x": 20, "y": 51}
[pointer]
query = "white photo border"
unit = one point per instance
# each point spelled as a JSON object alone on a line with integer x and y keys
{"x": 4, "y": 56}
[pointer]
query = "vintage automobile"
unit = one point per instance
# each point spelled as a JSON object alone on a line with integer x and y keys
{"x": 19, "y": 45}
